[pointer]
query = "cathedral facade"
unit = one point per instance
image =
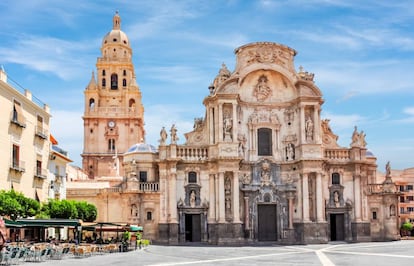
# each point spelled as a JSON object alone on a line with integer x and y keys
{"x": 260, "y": 166}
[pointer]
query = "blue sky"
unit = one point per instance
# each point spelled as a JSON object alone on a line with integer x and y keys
{"x": 361, "y": 52}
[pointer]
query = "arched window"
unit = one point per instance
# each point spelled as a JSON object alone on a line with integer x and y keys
{"x": 91, "y": 104}
{"x": 264, "y": 141}
{"x": 336, "y": 179}
{"x": 124, "y": 82}
{"x": 114, "y": 82}
{"x": 103, "y": 73}
{"x": 111, "y": 145}
{"x": 124, "y": 73}
{"x": 192, "y": 177}
{"x": 104, "y": 83}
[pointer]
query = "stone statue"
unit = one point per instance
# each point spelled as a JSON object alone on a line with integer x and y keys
{"x": 227, "y": 127}
{"x": 309, "y": 129}
{"x": 388, "y": 169}
{"x": 163, "y": 135}
{"x": 290, "y": 152}
{"x": 192, "y": 199}
{"x": 242, "y": 144}
{"x": 174, "y": 137}
{"x": 336, "y": 198}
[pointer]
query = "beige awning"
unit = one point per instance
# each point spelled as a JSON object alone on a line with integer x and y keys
{"x": 16, "y": 186}
{"x": 20, "y": 117}
{"x": 39, "y": 194}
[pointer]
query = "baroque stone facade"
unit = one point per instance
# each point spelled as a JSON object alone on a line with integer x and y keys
{"x": 260, "y": 166}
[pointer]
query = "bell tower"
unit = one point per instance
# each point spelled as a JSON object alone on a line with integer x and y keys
{"x": 113, "y": 119}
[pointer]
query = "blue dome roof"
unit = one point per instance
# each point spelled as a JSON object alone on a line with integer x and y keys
{"x": 369, "y": 154}
{"x": 142, "y": 147}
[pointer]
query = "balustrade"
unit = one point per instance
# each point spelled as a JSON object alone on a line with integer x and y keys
{"x": 337, "y": 154}
{"x": 192, "y": 153}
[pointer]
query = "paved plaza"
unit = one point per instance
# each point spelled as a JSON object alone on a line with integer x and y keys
{"x": 373, "y": 254}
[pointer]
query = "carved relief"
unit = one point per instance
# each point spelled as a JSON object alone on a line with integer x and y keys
{"x": 265, "y": 174}
{"x": 262, "y": 91}
{"x": 245, "y": 179}
{"x": 290, "y": 152}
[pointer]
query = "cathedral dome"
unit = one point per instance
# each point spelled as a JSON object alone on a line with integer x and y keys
{"x": 142, "y": 147}
{"x": 116, "y": 35}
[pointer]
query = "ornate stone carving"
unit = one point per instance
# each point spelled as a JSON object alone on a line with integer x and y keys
{"x": 289, "y": 115}
{"x": 305, "y": 75}
{"x": 262, "y": 91}
{"x": 358, "y": 138}
{"x": 163, "y": 135}
{"x": 173, "y": 133}
{"x": 265, "y": 174}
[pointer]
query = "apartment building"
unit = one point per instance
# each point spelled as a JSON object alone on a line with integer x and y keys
{"x": 24, "y": 140}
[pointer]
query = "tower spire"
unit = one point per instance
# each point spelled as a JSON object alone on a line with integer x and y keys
{"x": 116, "y": 21}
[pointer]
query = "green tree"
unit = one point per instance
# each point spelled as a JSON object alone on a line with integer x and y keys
{"x": 14, "y": 205}
{"x": 64, "y": 209}
{"x": 406, "y": 228}
{"x": 86, "y": 211}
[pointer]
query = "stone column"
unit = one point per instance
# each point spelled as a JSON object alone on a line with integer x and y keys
{"x": 235, "y": 123}
{"x": 302, "y": 124}
{"x": 246, "y": 213}
{"x": 216, "y": 197}
{"x": 290, "y": 202}
{"x": 222, "y": 213}
{"x": 316, "y": 124}
{"x": 211, "y": 124}
{"x": 220, "y": 124}
{"x": 319, "y": 198}
{"x": 236, "y": 203}
{"x": 212, "y": 207}
{"x": 305, "y": 197}
{"x": 173, "y": 198}
{"x": 357, "y": 195}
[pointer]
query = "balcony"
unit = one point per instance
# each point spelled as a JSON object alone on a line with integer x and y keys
{"x": 337, "y": 154}
{"x": 40, "y": 173}
{"x": 18, "y": 123}
{"x": 192, "y": 153}
{"x": 18, "y": 166}
{"x": 41, "y": 132}
{"x": 59, "y": 150}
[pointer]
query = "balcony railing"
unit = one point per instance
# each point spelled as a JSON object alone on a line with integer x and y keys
{"x": 41, "y": 132}
{"x": 59, "y": 150}
{"x": 40, "y": 173}
{"x": 18, "y": 166}
{"x": 337, "y": 154}
{"x": 141, "y": 187}
{"x": 15, "y": 121}
{"x": 192, "y": 153}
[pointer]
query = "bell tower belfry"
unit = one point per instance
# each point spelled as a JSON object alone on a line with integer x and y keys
{"x": 113, "y": 119}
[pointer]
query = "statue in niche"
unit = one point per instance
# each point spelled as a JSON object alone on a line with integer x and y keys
{"x": 227, "y": 193}
{"x": 192, "y": 198}
{"x": 336, "y": 198}
{"x": 174, "y": 137}
{"x": 227, "y": 127}
{"x": 290, "y": 152}
{"x": 309, "y": 129}
{"x": 163, "y": 135}
{"x": 242, "y": 144}
{"x": 262, "y": 90}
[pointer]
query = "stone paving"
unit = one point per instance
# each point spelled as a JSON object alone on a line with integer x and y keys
{"x": 341, "y": 254}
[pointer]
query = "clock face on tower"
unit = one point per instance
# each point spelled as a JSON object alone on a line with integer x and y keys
{"x": 111, "y": 124}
